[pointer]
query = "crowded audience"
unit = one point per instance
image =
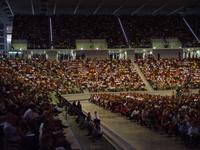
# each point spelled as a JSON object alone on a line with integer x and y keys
{"x": 178, "y": 117}
{"x": 98, "y": 75}
{"x": 34, "y": 29}
{"x": 66, "y": 29}
{"x": 171, "y": 73}
{"x": 95, "y": 75}
{"x": 142, "y": 29}
{"x": 27, "y": 117}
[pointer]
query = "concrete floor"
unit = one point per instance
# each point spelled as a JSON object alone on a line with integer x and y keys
{"x": 84, "y": 96}
{"x": 140, "y": 137}
{"x": 85, "y": 141}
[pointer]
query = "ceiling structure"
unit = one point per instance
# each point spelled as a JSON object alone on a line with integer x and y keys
{"x": 9, "y": 8}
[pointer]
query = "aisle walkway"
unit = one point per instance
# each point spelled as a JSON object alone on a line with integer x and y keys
{"x": 147, "y": 85}
{"x": 140, "y": 137}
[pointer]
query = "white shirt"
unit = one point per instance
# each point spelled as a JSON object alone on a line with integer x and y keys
{"x": 28, "y": 114}
{"x": 96, "y": 117}
{"x": 193, "y": 131}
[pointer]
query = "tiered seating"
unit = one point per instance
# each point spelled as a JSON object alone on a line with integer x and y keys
{"x": 140, "y": 30}
{"x": 161, "y": 113}
{"x": 171, "y": 73}
{"x": 75, "y": 76}
{"x": 27, "y": 119}
{"x": 102, "y": 75}
{"x": 34, "y": 29}
{"x": 66, "y": 29}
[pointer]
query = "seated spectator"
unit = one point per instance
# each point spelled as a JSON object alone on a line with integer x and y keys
{"x": 88, "y": 124}
{"x": 96, "y": 119}
{"x": 161, "y": 113}
{"x": 27, "y": 116}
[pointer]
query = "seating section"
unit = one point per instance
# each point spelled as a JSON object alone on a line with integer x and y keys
{"x": 66, "y": 29}
{"x": 30, "y": 120}
{"x": 141, "y": 29}
{"x": 27, "y": 118}
{"x": 159, "y": 113}
{"x": 98, "y": 75}
{"x": 103, "y": 75}
{"x": 34, "y": 29}
{"x": 171, "y": 73}
{"x": 78, "y": 75}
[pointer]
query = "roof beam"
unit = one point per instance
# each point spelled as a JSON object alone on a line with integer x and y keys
{"x": 191, "y": 30}
{"x": 32, "y": 7}
{"x": 138, "y": 9}
{"x": 176, "y": 10}
{"x": 54, "y": 8}
{"x": 122, "y": 5}
{"x": 98, "y": 7}
{"x": 77, "y": 7}
{"x": 9, "y": 7}
{"x": 160, "y": 8}
{"x": 3, "y": 17}
{"x": 43, "y": 9}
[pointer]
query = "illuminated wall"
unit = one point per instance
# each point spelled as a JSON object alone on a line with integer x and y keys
{"x": 19, "y": 44}
{"x": 173, "y": 43}
{"x": 91, "y": 44}
{"x": 8, "y": 37}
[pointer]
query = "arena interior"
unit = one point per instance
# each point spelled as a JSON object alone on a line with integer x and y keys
{"x": 99, "y": 75}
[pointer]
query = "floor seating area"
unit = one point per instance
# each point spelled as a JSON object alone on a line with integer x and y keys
{"x": 168, "y": 114}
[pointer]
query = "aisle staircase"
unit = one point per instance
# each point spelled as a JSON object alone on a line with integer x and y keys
{"x": 147, "y": 84}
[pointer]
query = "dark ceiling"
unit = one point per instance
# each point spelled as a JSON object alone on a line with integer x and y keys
{"x": 116, "y": 7}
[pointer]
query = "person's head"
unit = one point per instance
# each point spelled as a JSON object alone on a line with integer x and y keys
{"x": 78, "y": 103}
{"x": 11, "y": 118}
{"x": 74, "y": 103}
